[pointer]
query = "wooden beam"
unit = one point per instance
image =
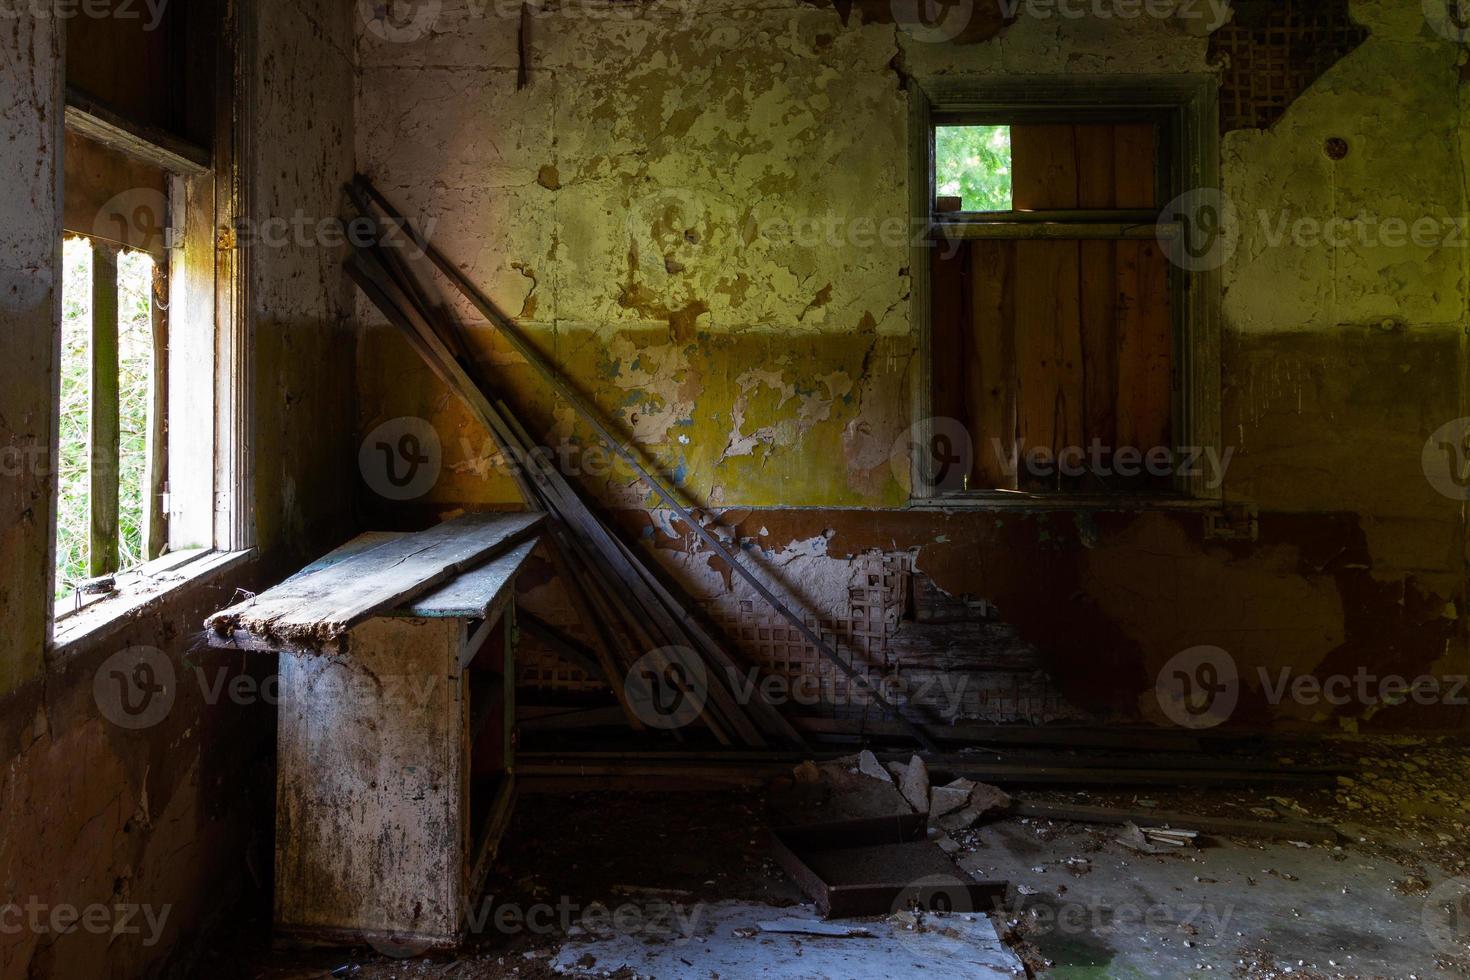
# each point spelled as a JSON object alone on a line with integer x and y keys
{"x": 155, "y": 480}
{"x": 553, "y": 377}
{"x": 1056, "y": 230}
{"x": 564, "y": 647}
{"x": 87, "y": 117}
{"x": 105, "y": 437}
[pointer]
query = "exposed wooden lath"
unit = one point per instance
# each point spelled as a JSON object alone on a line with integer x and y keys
{"x": 1272, "y": 51}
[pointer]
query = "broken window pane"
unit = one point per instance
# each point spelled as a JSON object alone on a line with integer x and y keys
{"x": 973, "y": 163}
{"x": 73, "y": 506}
{"x": 135, "y": 394}
{"x": 135, "y": 386}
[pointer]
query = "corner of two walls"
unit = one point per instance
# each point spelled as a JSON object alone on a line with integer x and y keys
{"x": 688, "y": 215}
{"x": 305, "y": 328}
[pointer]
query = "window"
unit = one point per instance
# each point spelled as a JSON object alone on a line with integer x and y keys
{"x": 1053, "y": 330}
{"x": 972, "y": 168}
{"x": 110, "y": 515}
{"x": 152, "y": 404}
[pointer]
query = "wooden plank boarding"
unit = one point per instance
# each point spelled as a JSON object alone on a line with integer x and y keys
{"x": 474, "y": 594}
{"x": 320, "y": 605}
{"x": 1071, "y": 335}
{"x": 375, "y": 868}
{"x": 990, "y": 364}
{"x": 1145, "y": 344}
{"x": 947, "y": 261}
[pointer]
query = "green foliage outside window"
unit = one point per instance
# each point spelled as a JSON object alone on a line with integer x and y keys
{"x": 135, "y": 391}
{"x": 974, "y": 163}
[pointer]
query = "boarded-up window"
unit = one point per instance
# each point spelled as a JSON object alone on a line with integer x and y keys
{"x": 1053, "y": 339}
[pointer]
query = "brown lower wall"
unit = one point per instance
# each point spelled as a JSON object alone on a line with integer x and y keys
{"x": 1109, "y": 598}
{"x": 170, "y": 820}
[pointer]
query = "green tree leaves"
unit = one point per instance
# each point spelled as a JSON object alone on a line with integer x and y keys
{"x": 974, "y": 164}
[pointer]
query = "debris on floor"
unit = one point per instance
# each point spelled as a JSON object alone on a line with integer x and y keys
{"x": 729, "y": 941}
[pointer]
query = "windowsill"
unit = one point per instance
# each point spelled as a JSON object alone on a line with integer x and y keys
{"x": 140, "y": 592}
{"x": 1017, "y": 500}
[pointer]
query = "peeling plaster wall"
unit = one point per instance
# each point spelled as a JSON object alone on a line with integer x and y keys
{"x": 168, "y": 816}
{"x": 687, "y": 214}
{"x": 304, "y": 334}
{"x": 30, "y": 305}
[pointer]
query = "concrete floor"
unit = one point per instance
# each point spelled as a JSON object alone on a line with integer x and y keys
{"x": 729, "y": 941}
{"x": 1391, "y": 899}
{"x": 1090, "y": 907}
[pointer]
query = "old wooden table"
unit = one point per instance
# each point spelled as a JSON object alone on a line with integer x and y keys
{"x": 395, "y": 739}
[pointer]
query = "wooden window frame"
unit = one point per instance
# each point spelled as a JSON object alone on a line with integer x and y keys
{"x": 104, "y": 463}
{"x": 208, "y": 514}
{"x": 1186, "y": 106}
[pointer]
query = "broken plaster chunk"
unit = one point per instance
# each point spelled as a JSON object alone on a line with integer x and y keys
{"x": 869, "y": 765}
{"x": 982, "y": 799}
{"x": 949, "y": 798}
{"x": 913, "y": 781}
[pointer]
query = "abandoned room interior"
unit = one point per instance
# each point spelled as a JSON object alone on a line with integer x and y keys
{"x": 734, "y": 488}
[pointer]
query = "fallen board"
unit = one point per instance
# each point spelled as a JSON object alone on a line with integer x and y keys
{"x": 319, "y": 605}
{"x": 846, "y": 875}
